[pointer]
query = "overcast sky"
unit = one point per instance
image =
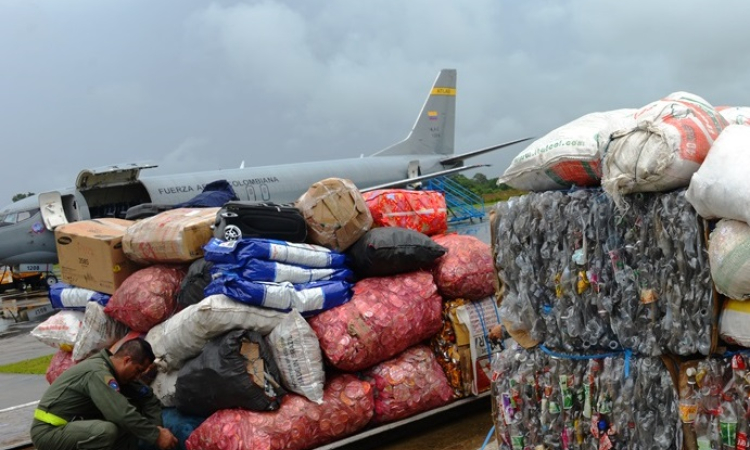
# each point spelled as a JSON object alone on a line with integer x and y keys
{"x": 195, "y": 85}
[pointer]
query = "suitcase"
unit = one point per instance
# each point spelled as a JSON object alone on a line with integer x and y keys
{"x": 243, "y": 219}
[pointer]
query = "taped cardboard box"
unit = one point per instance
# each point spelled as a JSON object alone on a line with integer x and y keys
{"x": 91, "y": 254}
{"x": 174, "y": 236}
{"x": 335, "y": 212}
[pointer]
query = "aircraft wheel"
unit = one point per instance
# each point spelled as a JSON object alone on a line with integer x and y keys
{"x": 232, "y": 233}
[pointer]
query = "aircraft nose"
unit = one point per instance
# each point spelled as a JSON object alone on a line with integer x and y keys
{"x": 27, "y": 242}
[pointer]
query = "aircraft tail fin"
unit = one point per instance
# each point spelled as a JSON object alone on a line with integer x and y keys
{"x": 434, "y": 131}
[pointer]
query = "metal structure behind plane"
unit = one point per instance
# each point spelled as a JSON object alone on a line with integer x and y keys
{"x": 27, "y": 226}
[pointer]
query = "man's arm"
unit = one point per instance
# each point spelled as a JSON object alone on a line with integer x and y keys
{"x": 115, "y": 407}
{"x": 145, "y": 401}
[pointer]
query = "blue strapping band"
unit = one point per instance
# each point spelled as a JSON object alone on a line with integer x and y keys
{"x": 627, "y": 353}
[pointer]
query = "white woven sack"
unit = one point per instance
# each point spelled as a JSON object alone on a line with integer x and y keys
{"x": 729, "y": 258}
{"x": 98, "y": 331}
{"x": 165, "y": 387}
{"x": 735, "y": 115}
{"x": 60, "y": 331}
{"x": 183, "y": 335}
{"x": 669, "y": 143}
{"x": 568, "y": 155}
{"x": 297, "y": 353}
{"x": 721, "y": 187}
{"x": 733, "y": 324}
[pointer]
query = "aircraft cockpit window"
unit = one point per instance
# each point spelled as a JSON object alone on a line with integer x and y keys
{"x": 16, "y": 216}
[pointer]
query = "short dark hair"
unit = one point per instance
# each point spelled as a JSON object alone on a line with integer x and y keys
{"x": 138, "y": 349}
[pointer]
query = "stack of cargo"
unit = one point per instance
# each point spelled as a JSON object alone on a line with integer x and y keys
{"x": 280, "y": 344}
{"x": 611, "y": 291}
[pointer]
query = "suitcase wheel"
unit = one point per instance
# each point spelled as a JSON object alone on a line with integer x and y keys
{"x": 232, "y": 233}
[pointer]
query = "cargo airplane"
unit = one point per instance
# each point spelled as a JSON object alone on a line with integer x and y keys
{"x": 27, "y": 226}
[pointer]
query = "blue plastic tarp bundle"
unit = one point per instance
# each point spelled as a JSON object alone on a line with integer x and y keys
{"x": 277, "y": 272}
{"x": 308, "y": 298}
{"x": 239, "y": 252}
{"x": 65, "y": 296}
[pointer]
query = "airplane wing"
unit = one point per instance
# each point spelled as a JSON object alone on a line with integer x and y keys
{"x": 459, "y": 158}
{"x": 406, "y": 181}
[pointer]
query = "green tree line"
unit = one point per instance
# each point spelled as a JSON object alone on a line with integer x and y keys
{"x": 486, "y": 187}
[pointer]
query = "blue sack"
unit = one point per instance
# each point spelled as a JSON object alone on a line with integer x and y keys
{"x": 307, "y": 298}
{"x": 277, "y": 272}
{"x": 65, "y": 296}
{"x": 239, "y": 252}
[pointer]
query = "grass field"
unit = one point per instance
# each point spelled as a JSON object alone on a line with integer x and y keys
{"x": 35, "y": 366}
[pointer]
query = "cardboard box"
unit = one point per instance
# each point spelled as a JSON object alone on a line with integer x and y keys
{"x": 335, "y": 212}
{"x": 174, "y": 236}
{"x": 91, "y": 255}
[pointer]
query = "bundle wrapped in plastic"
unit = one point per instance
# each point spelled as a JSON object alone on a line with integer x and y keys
{"x": 146, "y": 298}
{"x": 98, "y": 331}
{"x": 386, "y": 316}
{"x": 308, "y": 298}
{"x": 61, "y": 361}
{"x": 296, "y": 350}
{"x": 60, "y": 330}
{"x": 466, "y": 270}
{"x": 579, "y": 274}
{"x": 278, "y": 272}
{"x": 610, "y": 401}
{"x": 668, "y": 144}
{"x": 183, "y": 335}
{"x": 241, "y": 252}
{"x": 408, "y": 384}
{"x": 299, "y": 424}
{"x": 446, "y": 349}
{"x": 65, "y": 296}
{"x": 422, "y": 211}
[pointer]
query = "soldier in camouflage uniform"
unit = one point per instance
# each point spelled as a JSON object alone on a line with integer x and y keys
{"x": 99, "y": 404}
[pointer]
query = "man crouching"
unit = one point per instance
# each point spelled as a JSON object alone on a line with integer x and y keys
{"x": 99, "y": 404}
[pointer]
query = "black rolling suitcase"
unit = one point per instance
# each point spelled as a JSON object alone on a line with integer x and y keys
{"x": 242, "y": 219}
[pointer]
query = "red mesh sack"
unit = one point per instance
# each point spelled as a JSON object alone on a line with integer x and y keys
{"x": 385, "y": 316}
{"x": 408, "y": 384}
{"x": 423, "y": 211}
{"x": 466, "y": 270}
{"x": 298, "y": 424}
{"x": 147, "y": 297}
{"x": 60, "y": 362}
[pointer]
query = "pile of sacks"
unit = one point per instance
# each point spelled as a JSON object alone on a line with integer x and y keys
{"x": 290, "y": 345}
{"x": 618, "y": 253}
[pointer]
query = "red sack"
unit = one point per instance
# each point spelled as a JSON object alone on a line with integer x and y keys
{"x": 466, "y": 270}
{"x": 147, "y": 297}
{"x": 298, "y": 424}
{"x": 408, "y": 384}
{"x": 61, "y": 362}
{"x": 423, "y": 211}
{"x": 385, "y": 316}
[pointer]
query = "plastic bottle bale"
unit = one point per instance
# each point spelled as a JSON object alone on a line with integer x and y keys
{"x": 298, "y": 424}
{"x": 146, "y": 298}
{"x": 467, "y": 269}
{"x": 408, "y": 384}
{"x": 670, "y": 141}
{"x": 422, "y": 211}
{"x": 335, "y": 212}
{"x": 386, "y": 316}
{"x": 61, "y": 361}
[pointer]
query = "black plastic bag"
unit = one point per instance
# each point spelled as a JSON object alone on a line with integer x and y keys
{"x": 218, "y": 377}
{"x": 196, "y": 280}
{"x": 392, "y": 250}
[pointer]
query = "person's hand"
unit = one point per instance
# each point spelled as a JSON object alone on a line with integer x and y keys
{"x": 166, "y": 440}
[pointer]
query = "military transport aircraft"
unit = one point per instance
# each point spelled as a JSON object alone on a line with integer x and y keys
{"x": 26, "y": 226}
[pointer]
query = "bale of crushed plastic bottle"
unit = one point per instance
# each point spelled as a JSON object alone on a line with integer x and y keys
{"x": 297, "y": 425}
{"x": 466, "y": 270}
{"x": 408, "y": 384}
{"x": 584, "y": 401}
{"x": 581, "y": 275}
{"x": 385, "y": 316}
